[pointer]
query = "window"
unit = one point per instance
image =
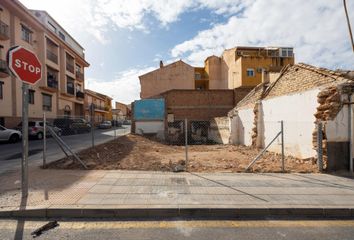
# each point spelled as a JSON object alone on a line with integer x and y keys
{"x": 250, "y": 72}
{"x": 78, "y": 68}
{"x": 78, "y": 88}
{"x": 286, "y": 52}
{"x": 52, "y": 78}
{"x": 26, "y": 34}
{"x": 1, "y": 90}
{"x": 62, "y": 36}
{"x": 47, "y": 102}
{"x": 197, "y": 76}
{"x": 52, "y": 27}
{"x": 31, "y": 96}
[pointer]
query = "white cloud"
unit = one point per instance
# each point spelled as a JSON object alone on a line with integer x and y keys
{"x": 317, "y": 29}
{"x": 97, "y": 17}
{"x": 125, "y": 87}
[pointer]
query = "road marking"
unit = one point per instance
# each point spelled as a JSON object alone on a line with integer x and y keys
{"x": 11, "y": 224}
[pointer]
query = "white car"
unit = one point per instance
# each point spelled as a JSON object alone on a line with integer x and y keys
{"x": 9, "y": 135}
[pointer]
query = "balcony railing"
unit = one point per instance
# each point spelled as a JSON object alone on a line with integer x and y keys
{"x": 52, "y": 56}
{"x": 79, "y": 75}
{"x": 80, "y": 94}
{"x": 4, "y": 71}
{"x": 70, "y": 90}
{"x": 4, "y": 31}
{"x": 70, "y": 67}
{"x": 52, "y": 83}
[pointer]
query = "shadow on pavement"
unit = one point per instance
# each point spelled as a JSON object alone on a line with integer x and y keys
{"x": 224, "y": 185}
{"x": 20, "y": 222}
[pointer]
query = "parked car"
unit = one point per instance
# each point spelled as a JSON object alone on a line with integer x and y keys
{"x": 72, "y": 125}
{"x": 105, "y": 125}
{"x": 36, "y": 129}
{"x": 127, "y": 122}
{"x": 116, "y": 123}
{"x": 9, "y": 135}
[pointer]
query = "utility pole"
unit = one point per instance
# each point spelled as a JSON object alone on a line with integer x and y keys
{"x": 348, "y": 22}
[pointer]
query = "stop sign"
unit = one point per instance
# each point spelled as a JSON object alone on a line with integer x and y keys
{"x": 25, "y": 65}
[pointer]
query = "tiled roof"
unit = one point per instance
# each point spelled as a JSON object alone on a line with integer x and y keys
{"x": 302, "y": 77}
{"x": 296, "y": 78}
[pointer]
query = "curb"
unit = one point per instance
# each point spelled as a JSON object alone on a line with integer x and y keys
{"x": 166, "y": 213}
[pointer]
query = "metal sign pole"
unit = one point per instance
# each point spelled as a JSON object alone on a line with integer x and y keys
{"x": 24, "y": 163}
{"x": 92, "y": 122}
{"x": 186, "y": 140}
{"x": 282, "y": 147}
{"x": 44, "y": 140}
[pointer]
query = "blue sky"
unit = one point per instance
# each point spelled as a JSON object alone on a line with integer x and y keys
{"x": 124, "y": 39}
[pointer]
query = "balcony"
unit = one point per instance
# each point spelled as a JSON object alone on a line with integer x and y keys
{"x": 4, "y": 31}
{"x": 101, "y": 108}
{"x": 70, "y": 67}
{"x": 80, "y": 94}
{"x": 70, "y": 90}
{"x": 52, "y": 57}
{"x": 4, "y": 71}
{"x": 79, "y": 76}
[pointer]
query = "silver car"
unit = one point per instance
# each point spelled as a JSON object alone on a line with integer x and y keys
{"x": 35, "y": 129}
{"x": 105, "y": 125}
{"x": 9, "y": 135}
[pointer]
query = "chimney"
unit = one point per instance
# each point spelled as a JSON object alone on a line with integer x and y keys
{"x": 161, "y": 64}
{"x": 265, "y": 77}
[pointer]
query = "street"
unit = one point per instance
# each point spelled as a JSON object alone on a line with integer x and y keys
{"x": 10, "y": 154}
{"x": 180, "y": 229}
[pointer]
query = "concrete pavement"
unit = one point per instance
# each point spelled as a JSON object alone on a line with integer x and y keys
{"x": 126, "y": 194}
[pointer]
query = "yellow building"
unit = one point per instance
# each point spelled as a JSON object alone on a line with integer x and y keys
{"x": 236, "y": 67}
{"x": 102, "y": 106}
{"x": 60, "y": 91}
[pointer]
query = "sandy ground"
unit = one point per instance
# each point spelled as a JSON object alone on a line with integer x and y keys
{"x": 134, "y": 152}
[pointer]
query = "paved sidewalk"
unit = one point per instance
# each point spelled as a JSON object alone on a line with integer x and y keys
{"x": 65, "y": 193}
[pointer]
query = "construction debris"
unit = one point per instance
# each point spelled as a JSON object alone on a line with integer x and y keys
{"x": 133, "y": 152}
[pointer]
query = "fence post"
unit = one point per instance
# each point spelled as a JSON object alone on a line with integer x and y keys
{"x": 282, "y": 146}
{"x": 319, "y": 147}
{"x": 92, "y": 108}
{"x": 186, "y": 140}
{"x": 115, "y": 129}
{"x": 44, "y": 140}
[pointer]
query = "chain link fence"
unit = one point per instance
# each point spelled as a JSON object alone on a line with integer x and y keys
{"x": 279, "y": 142}
{"x": 66, "y": 135}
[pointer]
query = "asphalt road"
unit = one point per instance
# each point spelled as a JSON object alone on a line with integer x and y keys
{"x": 11, "y": 154}
{"x": 209, "y": 230}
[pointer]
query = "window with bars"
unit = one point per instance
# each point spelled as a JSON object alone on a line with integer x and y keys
{"x": 26, "y": 34}
{"x": 31, "y": 96}
{"x": 1, "y": 90}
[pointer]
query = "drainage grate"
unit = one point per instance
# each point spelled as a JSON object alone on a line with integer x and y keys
{"x": 179, "y": 181}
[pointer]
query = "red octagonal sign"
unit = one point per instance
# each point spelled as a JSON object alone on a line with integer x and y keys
{"x": 25, "y": 65}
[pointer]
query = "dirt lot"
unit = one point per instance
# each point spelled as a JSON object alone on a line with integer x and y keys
{"x": 134, "y": 152}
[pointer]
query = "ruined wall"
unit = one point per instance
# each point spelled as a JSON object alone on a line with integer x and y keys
{"x": 241, "y": 127}
{"x": 219, "y": 130}
{"x": 334, "y": 116}
{"x": 296, "y": 111}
